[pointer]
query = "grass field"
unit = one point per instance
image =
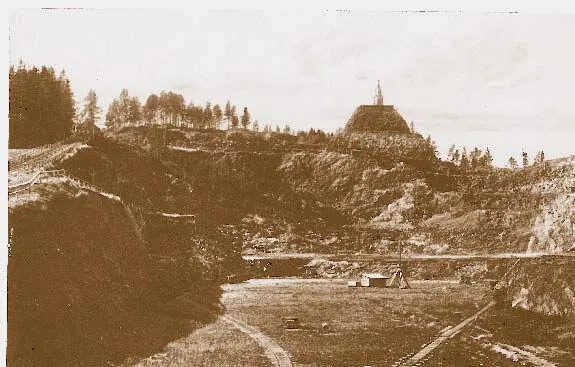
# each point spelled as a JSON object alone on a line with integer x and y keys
{"x": 218, "y": 344}
{"x": 343, "y": 326}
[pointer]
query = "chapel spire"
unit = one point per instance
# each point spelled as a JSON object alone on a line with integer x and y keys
{"x": 379, "y": 95}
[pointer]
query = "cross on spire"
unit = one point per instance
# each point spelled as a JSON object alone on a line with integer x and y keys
{"x": 379, "y": 95}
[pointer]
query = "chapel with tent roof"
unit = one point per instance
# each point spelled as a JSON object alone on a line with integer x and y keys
{"x": 377, "y": 117}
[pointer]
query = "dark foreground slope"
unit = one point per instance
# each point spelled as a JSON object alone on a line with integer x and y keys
{"x": 92, "y": 280}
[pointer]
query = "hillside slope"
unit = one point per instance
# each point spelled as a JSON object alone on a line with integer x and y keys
{"x": 360, "y": 192}
{"x": 91, "y": 275}
{"x": 92, "y": 281}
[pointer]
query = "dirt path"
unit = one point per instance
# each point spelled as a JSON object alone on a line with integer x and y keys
{"x": 273, "y": 351}
{"x": 450, "y": 333}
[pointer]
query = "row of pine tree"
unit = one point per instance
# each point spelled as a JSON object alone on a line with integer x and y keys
{"x": 169, "y": 108}
{"x": 41, "y": 106}
{"x": 42, "y": 111}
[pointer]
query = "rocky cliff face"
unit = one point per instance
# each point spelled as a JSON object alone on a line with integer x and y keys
{"x": 553, "y": 229}
{"x": 546, "y": 286}
{"x": 352, "y": 192}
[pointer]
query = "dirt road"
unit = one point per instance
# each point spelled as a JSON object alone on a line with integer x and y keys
{"x": 273, "y": 351}
{"x": 356, "y": 257}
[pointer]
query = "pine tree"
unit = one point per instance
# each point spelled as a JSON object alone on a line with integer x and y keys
{"x": 539, "y": 158}
{"x": 65, "y": 104}
{"x": 228, "y": 113}
{"x": 171, "y": 108}
{"x": 245, "y": 118}
{"x": 150, "y": 109}
{"x": 217, "y": 111}
{"x": 525, "y": 159}
{"x": 124, "y": 102}
{"x": 78, "y": 118}
{"x": 278, "y": 129}
{"x": 450, "y": 152}
{"x": 234, "y": 117}
{"x": 41, "y": 106}
{"x": 208, "y": 116}
{"x": 512, "y": 163}
{"x": 91, "y": 109}
{"x": 287, "y": 129}
{"x": 134, "y": 111}
{"x": 475, "y": 157}
{"x": 464, "y": 162}
{"x": 256, "y": 126}
{"x": 456, "y": 156}
{"x": 431, "y": 144}
{"x": 113, "y": 116}
{"x": 487, "y": 159}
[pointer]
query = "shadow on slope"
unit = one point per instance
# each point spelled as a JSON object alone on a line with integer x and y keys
{"x": 84, "y": 291}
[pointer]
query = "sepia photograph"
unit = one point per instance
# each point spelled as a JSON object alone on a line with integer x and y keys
{"x": 323, "y": 187}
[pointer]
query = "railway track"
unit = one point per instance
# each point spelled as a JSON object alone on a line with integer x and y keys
{"x": 416, "y": 359}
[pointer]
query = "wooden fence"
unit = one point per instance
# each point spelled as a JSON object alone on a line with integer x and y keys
{"x": 43, "y": 156}
{"x": 36, "y": 178}
{"x": 41, "y": 159}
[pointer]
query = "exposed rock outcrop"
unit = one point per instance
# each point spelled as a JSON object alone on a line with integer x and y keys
{"x": 554, "y": 229}
{"x": 546, "y": 286}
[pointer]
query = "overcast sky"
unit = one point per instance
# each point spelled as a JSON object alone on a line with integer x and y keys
{"x": 500, "y": 80}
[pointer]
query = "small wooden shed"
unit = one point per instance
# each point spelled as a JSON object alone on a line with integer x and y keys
{"x": 377, "y": 280}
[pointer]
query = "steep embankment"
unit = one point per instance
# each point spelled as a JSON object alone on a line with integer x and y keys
{"x": 83, "y": 289}
{"x": 93, "y": 280}
{"x": 546, "y": 286}
{"x": 553, "y": 229}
